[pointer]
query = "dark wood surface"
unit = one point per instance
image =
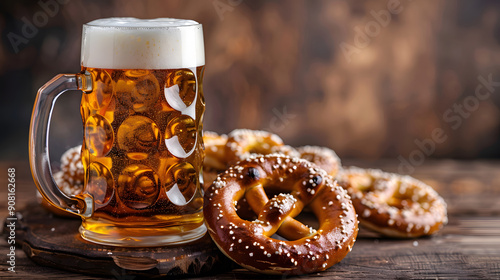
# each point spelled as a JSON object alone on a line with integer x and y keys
{"x": 467, "y": 248}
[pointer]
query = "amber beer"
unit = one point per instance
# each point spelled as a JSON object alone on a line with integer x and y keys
{"x": 142, "y": 132}
{"x": 142, "y": 155}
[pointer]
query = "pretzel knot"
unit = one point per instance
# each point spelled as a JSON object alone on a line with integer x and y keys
{"x": 300, "y": 183}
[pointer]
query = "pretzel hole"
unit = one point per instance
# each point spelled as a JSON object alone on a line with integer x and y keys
{"x": 244, "y": 211}
{"x": 362, "y": 183}
{"x": 407, "y": 197}
{"x": 417, "y": 195}
{"x": 308, "y": 219}
{"x": 279, "y": 237}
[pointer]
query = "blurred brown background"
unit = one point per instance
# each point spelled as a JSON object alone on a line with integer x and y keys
{"x": 370, "y": 79}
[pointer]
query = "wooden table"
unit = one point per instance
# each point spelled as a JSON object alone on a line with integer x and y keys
{"x": 467, "y": 248}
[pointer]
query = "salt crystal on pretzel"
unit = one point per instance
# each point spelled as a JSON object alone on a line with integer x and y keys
{"x": 321, "y": 156}
{"x": 241, "y": 143}
{"x": 301, "y": 183}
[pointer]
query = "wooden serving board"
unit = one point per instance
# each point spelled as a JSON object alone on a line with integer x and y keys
{"x": 54, "y": 241}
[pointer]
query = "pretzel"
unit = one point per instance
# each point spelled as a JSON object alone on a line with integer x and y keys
{"x": 215, "y": 156}
{"x": 323, "y": 157}
{"x": 214, "y": 150}
{"x": 394, "y": 205}
{"x": 301, "y": 183}
{"x": 242, "y": 143}
{"x": 72, "y": 167}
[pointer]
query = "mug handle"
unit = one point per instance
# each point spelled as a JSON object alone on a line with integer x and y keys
{"x": 47, "y": 95}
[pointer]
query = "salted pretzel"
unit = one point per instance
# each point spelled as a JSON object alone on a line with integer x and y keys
{"x": 323, "y": 157}
{"x": 394, "y": 205}
{"x": 242, "y": 143}
{"x": 214, "y": 150}
{"x": 300, "y": 183}
{"x": 72, "y": 171}
{"x": 215, "y": 156}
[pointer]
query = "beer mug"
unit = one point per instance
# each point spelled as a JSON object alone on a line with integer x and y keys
{"x": 142, "y": 108}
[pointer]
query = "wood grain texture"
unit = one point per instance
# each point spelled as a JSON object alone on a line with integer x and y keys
{"x": 467, "y": 248}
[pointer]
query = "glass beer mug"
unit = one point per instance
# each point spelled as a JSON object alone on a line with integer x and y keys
{"x": 142, "y": 108}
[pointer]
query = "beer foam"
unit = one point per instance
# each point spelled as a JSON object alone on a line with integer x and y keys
{"x": 131, "y": 43}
